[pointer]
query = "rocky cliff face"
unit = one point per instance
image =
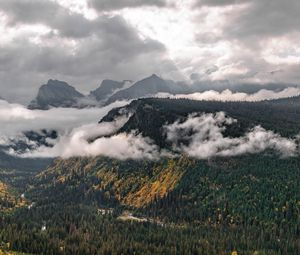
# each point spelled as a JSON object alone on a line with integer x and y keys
{"x": 56, "y": 94}
{"x": 106, "y": 89}
{"x": 143, "y": 88}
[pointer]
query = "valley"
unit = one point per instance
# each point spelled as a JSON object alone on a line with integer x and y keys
{"x": 215, "y": 202}
{"x": 174, "y": 204}
{"x": 162, "y": 127}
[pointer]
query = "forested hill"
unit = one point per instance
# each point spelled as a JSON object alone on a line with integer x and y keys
{"x": 173, "y": 206}
{"x": 287, "y": 102}
{"x": 247, "y": 204}
{"x": 151, "y": 114}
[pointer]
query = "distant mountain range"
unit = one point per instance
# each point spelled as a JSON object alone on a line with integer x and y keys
{"x": 60, "y": 94}
{"x": 145, "y": 88}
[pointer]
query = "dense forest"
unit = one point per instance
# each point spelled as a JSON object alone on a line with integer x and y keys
{"x": 248, "y": 204}
{"x": 148, "y": 116}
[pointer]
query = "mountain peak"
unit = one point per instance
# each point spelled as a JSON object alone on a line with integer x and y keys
{"x": 107, "y": 88}
{"x": 55, "y": 94}
{"x": 154, "y": 76}
{"x": 144, "y": 88}
{"x": 54, "y": 82}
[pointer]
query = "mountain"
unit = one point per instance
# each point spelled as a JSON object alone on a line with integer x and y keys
{"x": 144, "y": 88}
{"x": 247, "y": 204}
{"x": 106, "y": 89}
{"x": 149, "y": 115}
{"x": 291, "y": 101}
{"x": 55, "y": 94}
{"x": 60, "y": 94}
{"x": 21, "y": 164}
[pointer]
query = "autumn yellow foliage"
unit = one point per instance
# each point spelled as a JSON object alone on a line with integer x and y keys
{"x": 159, "y": 187}
{"x": 9, "y": 196}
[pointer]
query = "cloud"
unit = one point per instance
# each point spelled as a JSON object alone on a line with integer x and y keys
{"x": 234, "y": 40}
{"x": 50, "y": 14}
{"x": 121, "y": 146}
{"x": 93, "y": 140}
{"x": 201, "y": 136}
{"x": 266, "y": 18}
{"x": 228, "y": 95}
{"x": 46, "y": 40}
{"x": 16, "y": 119}
{"x": 78, "y": 133}
{"x": 258, "y": 18}
{"x": 247, "y": 39}
{"x": 104, "y": 5}
{"x": 215, "y": 3}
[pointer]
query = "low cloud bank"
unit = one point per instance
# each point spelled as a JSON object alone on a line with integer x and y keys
{"x": 16, "y": 118}
{"x": 202, "y": 137}
{"x": 199, "y": 135}
{"x": 79, "y": 134}
{"x": 94, "y": 140}
{"x": 228, "y": 95}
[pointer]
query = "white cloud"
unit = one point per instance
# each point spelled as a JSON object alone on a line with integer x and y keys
{"x": 121, "y": 146}
{"x": 93, "y": 140}
{"x": 199, "y": 136}
{"x": 79, "y": 134}
{"x": 228, "y": 95}
{"x": 15, "y": 118}
{"x": 245, "y": 39}
{"x": 202, "y": 137}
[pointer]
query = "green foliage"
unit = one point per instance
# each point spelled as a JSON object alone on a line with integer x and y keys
{"x": 151, "y": 114}
{"x": 249, "y": 204}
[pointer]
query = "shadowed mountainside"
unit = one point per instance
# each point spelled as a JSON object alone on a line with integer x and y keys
{"x": 55, "y": 94}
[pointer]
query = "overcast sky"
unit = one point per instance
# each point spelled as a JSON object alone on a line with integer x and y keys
{"x": 86, "y": 41}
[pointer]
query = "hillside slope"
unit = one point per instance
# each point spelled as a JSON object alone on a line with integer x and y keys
{"x": 148, "y": 116}
{"x": 215, "y": 200}
{"x": 172, "y": 205}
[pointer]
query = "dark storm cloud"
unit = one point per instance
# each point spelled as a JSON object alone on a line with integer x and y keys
{"x": 106, "y": 47}
{"x": 48, "y": 13}
{"x": 252, "y": 28}
{"x": 201, "y": 3}
{"x": 259, "y": 17}
{"x": 267, "y": 18}
{"x": 104, "y": 5}
{"x": 41, "y": 39}
{"x": 29, "y": 11}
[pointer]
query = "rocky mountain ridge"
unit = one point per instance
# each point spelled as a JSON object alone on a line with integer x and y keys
{"x": 60, "y": 94}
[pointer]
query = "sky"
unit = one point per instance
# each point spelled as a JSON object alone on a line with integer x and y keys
{"x": 83, "y": 42}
